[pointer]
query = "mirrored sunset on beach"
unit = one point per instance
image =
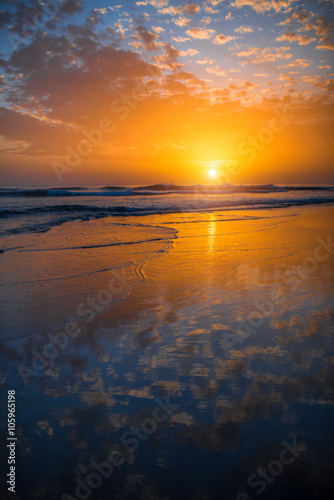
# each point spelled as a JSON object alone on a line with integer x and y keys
{"x": 166, "y": 250}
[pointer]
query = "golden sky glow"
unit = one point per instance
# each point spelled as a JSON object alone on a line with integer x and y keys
{"x": 161, "y": 91}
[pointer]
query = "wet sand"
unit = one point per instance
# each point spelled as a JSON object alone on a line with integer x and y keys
{"x": 227, "y": 316}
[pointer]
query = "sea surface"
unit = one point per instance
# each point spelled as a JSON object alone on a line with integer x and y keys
{"x": 35, "y": 209}
{"x": 185, "y": 334}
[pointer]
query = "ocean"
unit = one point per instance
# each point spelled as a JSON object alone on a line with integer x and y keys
{"x": 36, "y": 209}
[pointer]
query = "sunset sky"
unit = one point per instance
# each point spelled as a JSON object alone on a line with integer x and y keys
{"x": 171, "y": 90}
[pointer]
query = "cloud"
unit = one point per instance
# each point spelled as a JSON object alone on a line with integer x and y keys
{"x": 244, "y": 29}
{"x": 298, "y": 63}
{"x": 300, "y": 15}
{"x": 250, "y": 85}
{"x": 221, "y": 39}
{"x": 182, "y": 21}
{"x": 5, "y": 18}
{"x": 265, "y": 55}
{"x": 262, "y": 6}
{"x": 325, "y": 46}
{"x": 327, "y": 85}
{"x": 157, "y": 3}
{"x": 172, "y": 10}
{"x": 70, "y": 6}
{"x": 295, "y": 37}
{"x": 206, "y": 60}
{"x": 94, "y": 16}
{"x": 210, "y": 10}
{"x": 32, "y": 133}
{"x": 147, "y": 38}
{"x": 180, "y": 39}
{"x": 170, "y": 57}
{"x": 310, "y": 22}
{"x": 191, "y": 8}
{"x": 206, "y": 20}
{"x": 200, "y": 33}
{"x": 101, "y": 11}
{"x": 189, "y": 52}
{"x": 54, "y": 86}
{"x": 216, "y": 70}
{"x": 157, "y": 29}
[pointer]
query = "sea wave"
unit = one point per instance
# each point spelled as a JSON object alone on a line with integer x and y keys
{"x": 43, "y": 218}
{"x": 154, "y": 189}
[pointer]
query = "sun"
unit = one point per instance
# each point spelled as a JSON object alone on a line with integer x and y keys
{"x": 212, "y": 172}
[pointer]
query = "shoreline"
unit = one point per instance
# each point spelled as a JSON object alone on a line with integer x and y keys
{"x": 182, "y": 221}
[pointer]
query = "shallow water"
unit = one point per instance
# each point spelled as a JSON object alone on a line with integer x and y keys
{"x": 226, "y": 319}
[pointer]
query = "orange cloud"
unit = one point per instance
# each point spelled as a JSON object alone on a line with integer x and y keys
{"x": 200, "y": 33}
{"x": 244, "y": 29}
{"x": 265, "y": 55}
{"x": 295, "y": 37}
{"x": 263, "y": 5}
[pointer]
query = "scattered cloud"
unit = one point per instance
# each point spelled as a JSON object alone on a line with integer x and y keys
{"x": 290, "y": 36}
{"x": 262, "y": 6}
{"x": 189, "y": 52}
{"x": 70, "y": 6}
{"x": 216, "y": 70}
{"x": 299, "y": 63}
{"x": 325, "y": 46}
{"x": 206, "y": 60}
{"x": 182, "y": 21}
{"x": 147, "y": 38}
{"x": 191, "y": 8}
{"x": 250, "y": 84}
{"x": 180, "y": 39}
{"x": 210, "y": 10}
{"x": 265, "y": 55}
{"x": 157, "y": 29}
{"x": 5, "y": 18}
{"x": 200, "y": 33}
{"x": 102, "y": 11}
{"x": 244, "y": 29}
{"x": 221, "y": 39}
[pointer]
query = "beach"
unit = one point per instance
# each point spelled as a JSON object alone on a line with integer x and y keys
{"x": 173, "y": 355}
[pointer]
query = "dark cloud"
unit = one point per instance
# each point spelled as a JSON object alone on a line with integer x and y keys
{"x": 5, "y": 18}
{"x": 38, "y": 136}
{"x": 94, "y": 17}
{"x": 31, "y": 18}
{"x": 70, "y": 7}
{"x": 147, "y": 38}
{"x": 66, "y": 83}
{"x": 39, "y": 54}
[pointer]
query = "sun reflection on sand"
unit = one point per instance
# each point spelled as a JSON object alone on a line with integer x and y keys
{"x": 212, "y": 230}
